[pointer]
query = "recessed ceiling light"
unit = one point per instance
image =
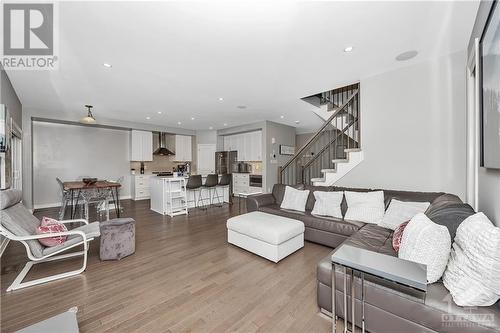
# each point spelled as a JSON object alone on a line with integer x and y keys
{"x": 107, "y": 65}
{"x": 221, "y": 99}
{"x": 406, "y": 55}
{"x": 192, "y": 118}
{"x": 282, "y": 117}
{"x": 348, "y": 49}
{"x": 148, "y": 118}
{"x": 159, "y": 112}
{"x": 225, "y": 124}
{"x": 241, "y": 106}
{"x": 210, "y": 128}
{"x": 179, "y": 123}
{"x": 297, "y": 122}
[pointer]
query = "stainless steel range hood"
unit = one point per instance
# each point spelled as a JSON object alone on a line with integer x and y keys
{"x": 162, "y": 149}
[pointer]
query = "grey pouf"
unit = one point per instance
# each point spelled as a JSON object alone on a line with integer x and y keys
{"x": 117, "y": 238}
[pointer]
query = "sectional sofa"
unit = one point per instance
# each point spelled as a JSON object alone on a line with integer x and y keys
{"x": 388, "y": 307}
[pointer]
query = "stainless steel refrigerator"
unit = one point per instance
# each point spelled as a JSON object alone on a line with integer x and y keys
{"x": 226, "y": 161}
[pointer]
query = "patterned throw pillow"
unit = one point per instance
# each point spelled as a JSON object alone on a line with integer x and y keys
{"x": 48, "y": 226}
{"x": 398, "y": 235}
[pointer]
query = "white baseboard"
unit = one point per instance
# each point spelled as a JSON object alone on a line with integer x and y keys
{"x": 58, "y": 204}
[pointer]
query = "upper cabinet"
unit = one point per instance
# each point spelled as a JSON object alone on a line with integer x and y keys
{"x": 141, "y": 146}
{"x": 248, "y": 145}
{"x": 183, "y": 148}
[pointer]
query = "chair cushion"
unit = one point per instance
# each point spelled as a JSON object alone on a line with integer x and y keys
{"x": 20, "y": 222}
{"x": 9, "y": 198}
{"x": 91, "y": 230}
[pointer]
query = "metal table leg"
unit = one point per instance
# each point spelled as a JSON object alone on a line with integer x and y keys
{"x": 345, "y": 300}
{"x": 362, "y": 302}
{"x": 334, "y": 317}
{"x": 353, "y": 302}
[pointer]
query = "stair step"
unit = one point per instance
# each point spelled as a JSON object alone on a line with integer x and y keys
{"x": 340, "y": 160}
{"x": 317, "y": 180}
{"x": 328, "y": 170}
{"x": 347, "y": 150}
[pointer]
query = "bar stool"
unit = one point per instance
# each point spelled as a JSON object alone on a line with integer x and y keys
{"x": 225, "y": 181}
{"x": 194, "y": 184}
{"x": 211, "y": 185}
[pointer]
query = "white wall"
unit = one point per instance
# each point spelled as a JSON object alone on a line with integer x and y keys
{"x": 283, "y": 135}
{"x": 70, "y": 152}
{"x": 413, "y": 128}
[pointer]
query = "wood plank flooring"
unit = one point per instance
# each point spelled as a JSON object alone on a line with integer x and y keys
{"x": 184, "y": 277}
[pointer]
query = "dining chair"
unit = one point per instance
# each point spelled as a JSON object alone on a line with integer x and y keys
{"x": 66, "y": 199}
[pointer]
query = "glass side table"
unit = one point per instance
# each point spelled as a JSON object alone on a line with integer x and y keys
{"x": 404, "y": 272}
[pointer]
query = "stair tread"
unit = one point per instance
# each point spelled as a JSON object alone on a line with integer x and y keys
{"x": 328, "y": 170}
{"x": 352, "y": 149}
{"x": 340, "y": 160}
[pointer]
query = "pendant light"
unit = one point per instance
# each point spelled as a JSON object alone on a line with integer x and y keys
{"x": 89, "y": 119}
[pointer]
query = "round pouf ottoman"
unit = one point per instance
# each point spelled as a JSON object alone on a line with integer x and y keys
{"x": 117, "y": 238}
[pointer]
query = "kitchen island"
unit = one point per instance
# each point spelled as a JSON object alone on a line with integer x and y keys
{"x": 169, "y": 195}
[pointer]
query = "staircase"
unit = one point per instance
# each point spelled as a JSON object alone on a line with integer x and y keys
{"x": 335, "y": 148}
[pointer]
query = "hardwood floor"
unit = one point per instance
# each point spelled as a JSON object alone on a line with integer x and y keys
{"x": 183, "y": 277}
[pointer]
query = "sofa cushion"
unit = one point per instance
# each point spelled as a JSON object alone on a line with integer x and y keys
{"x": 427, "y": 243}
{"x": 410, "y": 196}
{"x": 450, "y": 214}
{"x": 374, "y": 238}
{"x": 472, "y": 275}
{"x": 328, "y": 204}
{"x": 366, "y": 207}
{"x": 331, "y": 224}
{"x": 279, "y": 191}
{"x": 401, "y": 211}
{"x": 294, "y": 199}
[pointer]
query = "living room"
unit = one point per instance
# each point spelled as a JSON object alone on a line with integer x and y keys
{"x": 223, "y": 166}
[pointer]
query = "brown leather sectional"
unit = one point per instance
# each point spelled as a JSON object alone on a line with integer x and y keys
{"x": 388, "y": 307}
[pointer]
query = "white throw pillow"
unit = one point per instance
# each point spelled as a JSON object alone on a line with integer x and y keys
{"x": 473, "y": 272}
{"x": 365, "y": 207}
{"x": 294, "y": 199}
{"x": 328, "y": 204}
{"x": 427, "y": 243}
{"x": 400, "y": 212}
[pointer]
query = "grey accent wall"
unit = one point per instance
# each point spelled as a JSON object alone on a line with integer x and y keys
{"x": 413, "y": 128}
{"x": 71, "y": 152}
{"x": 9, "y": 98}
{"x": 283, "y": 135}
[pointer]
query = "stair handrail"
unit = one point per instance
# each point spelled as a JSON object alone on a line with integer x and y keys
{"x": 352, "y": 122}
{"x": 318, "y": 133}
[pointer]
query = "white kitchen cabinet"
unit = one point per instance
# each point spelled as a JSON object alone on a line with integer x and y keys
{"x": 140, "y": 187}
{"x": 141, "y": 146}
{"x": 206, "y": 159}
{"x": 183, "y": 148}
{"x": 248, "y": 145}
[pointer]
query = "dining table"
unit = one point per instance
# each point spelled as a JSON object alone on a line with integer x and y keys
{"x": 79, "y": 186}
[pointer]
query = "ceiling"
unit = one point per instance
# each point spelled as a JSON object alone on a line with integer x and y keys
{"x": 180, "y": 58}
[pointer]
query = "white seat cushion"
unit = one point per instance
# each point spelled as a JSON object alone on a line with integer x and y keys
{"x": 269, "y": 228}
{"x": 427, "y": 243}
{"x": 295, "y": 199}
{"x": 365, "y": 207}
{"x": 90, "y": 230}
{"x": 472, "y": 274}
{"x": 400, "y": 212}
{"x": 328, "y": 204}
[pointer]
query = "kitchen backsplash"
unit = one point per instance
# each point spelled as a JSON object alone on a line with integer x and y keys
{"x": 159, "y": 163}
{"x": 256, "y": 167}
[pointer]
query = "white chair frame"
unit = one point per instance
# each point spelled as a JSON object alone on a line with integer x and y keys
{"x": 18, "y": 284}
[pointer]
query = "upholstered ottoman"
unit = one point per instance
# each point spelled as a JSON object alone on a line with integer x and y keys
{"x": 117, "y": 238}
{"x": 270, "y": 236}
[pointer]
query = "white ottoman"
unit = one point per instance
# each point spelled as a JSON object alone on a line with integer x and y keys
{"x": 270, "y": 236}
